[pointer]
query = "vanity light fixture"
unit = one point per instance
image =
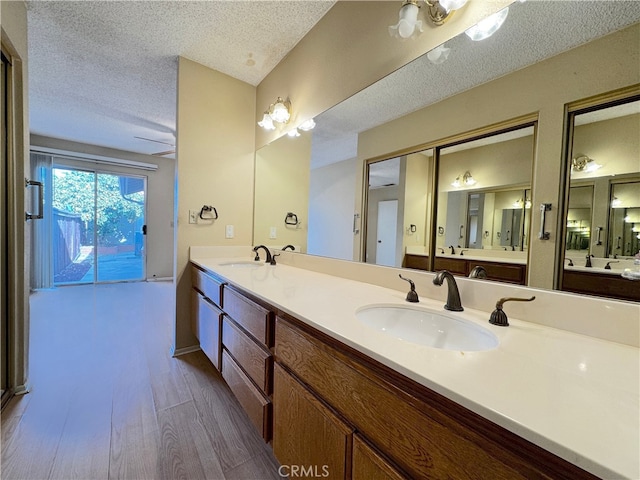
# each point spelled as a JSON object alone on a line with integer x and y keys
{"x": 267, "y": 122}
{"x": 307, "y": 125}
{"x": 488, "y": 26}
{"x": 278, "y": 112}
{"x": 409, "y": 26}
{"x": 582, "y": 163}
{"x": 467, "y": 179}
{"x": 616, "y": 202}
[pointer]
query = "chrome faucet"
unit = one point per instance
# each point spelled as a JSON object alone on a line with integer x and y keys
{"x": 453, "y": 295}
{"x": 257, "y": 259}
{"x": 478, "y": 272}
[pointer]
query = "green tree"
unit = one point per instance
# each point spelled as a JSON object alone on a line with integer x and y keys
{"x": 75, "y": 192}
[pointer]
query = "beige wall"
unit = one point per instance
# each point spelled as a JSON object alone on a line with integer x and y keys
{"x": 282, "y": 186}
{"x": 544, "y": 89}
{"x": 215, "y": 166}
{"x": 416, "y": 199}
{"x": 349, "y": 49}
{"x": 160, "y": 197}
{"x": 13, "y": 20}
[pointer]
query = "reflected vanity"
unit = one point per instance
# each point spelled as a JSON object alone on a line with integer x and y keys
{"x": 603, "y": 209}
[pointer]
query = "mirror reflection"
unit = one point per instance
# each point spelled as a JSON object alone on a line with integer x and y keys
{"x": 603, "y": 213}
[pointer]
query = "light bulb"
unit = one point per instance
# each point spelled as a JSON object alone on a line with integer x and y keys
{"x": 456, "y": 182}
{"x": 280, "y": 112}
{"x": 293, "y": 133}
{"x": 487, "y": 27}
{"x": 267, "y": 122}
{"x": 449, "y": 5}
{"x": 307, "y": 125}
{"x": 408, "y": 24}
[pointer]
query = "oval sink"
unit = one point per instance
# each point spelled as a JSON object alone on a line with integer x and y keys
{"x": 428, "y": 328}
{"x": 242, "y": 264}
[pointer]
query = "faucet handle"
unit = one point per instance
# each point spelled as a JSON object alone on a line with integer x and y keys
{"x": 412, "y": 295}
{"x": 273, "y": 258}
{"x": 498, "y": 317}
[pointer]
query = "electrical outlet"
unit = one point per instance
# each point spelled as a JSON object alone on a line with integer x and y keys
{"x": 272, "y": 233}
{"x": 193, "y": 216}
{"x": 228, "y": 231}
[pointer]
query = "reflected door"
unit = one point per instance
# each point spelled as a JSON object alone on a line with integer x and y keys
{"x": 4, "y": 238}
{"x": 387, "y": 229}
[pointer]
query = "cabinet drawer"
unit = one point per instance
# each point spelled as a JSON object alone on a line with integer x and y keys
{"x": 254, "y": 403}
{"x": 208, "y": 285}
{"x": 451, "y": 264}
{"x": 254, "y": 318}
{"x": 254, "y": 359}
{"x": 208, "y": 329}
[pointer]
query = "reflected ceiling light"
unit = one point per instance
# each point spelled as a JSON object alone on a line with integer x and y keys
{"x": 583, "y": 163}
{"x": 616, "y": 202}
{"x": 439, "y": 54}
{"x": 409, "y": 26}
{"x": 627, "y": 219}
{"x": 267, "y": 122}
{"x": 293, "y": 133}
{"x": 307, "y": 125}
{"x": 456, "y": 183}
{"x": 487, "y": 27}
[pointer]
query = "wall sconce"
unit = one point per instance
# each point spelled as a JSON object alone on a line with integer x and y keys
{"x": 583, "y": 163}
{"x": 409, "y": 26}
{"x": 279, "y": 112}
{"x": 488, "y": 26}
{"x": 467, "y": 180}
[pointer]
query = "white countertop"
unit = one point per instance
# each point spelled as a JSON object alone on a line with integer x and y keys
{"x": 573, "y": 395}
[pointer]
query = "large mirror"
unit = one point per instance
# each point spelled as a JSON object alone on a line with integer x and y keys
{"x": 603, "y": 208}
{"x": 329, "y": 218}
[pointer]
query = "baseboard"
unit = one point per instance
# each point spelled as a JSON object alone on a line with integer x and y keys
{"x": 22, "y": 389}
{"x": 160, "y": 279}
{"x": 176, "y": 352}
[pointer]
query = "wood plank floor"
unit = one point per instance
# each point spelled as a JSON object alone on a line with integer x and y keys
{"x": 109, "y": 402}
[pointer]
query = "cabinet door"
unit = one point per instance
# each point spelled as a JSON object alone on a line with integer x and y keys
{"x": 206, "y": 326}
{"x": 369, "y": 464}
{"x": 307, "y": 436}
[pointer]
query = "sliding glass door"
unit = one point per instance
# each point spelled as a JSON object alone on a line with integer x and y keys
{"x": 98, "y": 226}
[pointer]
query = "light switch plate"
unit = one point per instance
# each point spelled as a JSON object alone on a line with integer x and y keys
{"x": 272, "y": 232}
{"x": 228, "y": 231}
{"x": 193, "y": 216}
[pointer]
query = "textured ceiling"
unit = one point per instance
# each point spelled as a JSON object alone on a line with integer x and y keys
{"x": 533, "y": 31}
{"x": 103, "y": 72}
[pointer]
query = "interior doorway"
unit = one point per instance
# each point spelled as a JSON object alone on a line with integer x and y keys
{"x": 98, "y": 226}
{"x": 4, "y": 234}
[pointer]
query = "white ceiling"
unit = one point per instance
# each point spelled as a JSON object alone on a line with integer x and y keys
{"x": 533, "y": 31}
{"x": 104, "y": 72}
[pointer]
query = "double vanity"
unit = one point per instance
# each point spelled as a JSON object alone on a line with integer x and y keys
{"x": 344, "y": 377}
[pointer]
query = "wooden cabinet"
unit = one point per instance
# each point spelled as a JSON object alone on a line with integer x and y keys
{"x": 307, "y": 435}
{"x": 504, "y": 272}
{"x": 611, "y": 286}
{"x": 420, "y": 432}
{"x": 368, "y": 463}
{"x": 206, "y": 326}
{"x": 256, "y": 361}
{"x": 253, "y": 317}
{"x": 255, "y": 404}
{"x": 209, "y": 286}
